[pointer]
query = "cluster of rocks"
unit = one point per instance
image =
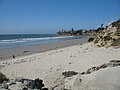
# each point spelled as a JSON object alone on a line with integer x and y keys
{"x": 112, "y": 63}
{"x": 110, "y": 36}
{"x": 23, "y": 84}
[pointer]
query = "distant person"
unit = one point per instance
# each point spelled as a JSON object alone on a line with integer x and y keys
{"x": 13, "y": 56}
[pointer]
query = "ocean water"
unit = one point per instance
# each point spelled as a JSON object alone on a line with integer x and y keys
{"x": 16, "y": 40}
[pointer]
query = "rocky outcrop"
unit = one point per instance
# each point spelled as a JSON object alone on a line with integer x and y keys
{"x": 87, "y": 79}
{"x": 21, "y": 83}
{"x": 112, "y": 63}
{"x": 110, "y": 36}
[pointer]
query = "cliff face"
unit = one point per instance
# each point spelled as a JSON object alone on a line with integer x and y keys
{"x": 110, "y": 36}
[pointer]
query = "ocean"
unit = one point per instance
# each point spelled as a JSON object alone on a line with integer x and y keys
{"x": 17, "y": 40}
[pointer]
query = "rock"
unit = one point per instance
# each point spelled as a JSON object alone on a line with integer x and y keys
{"x": 19, "y": 79}
{"x": 38, "y": 83}
{"x": 25, "y": 88}
{"x": 103, "y": 79}
{"x": 115, "y": 61}
{"x": 97, "y": 68}
{"x": 44, "y": 89}
{"x": 69, "y": 73}
{"x": 91, "y": 70}
{"x": 103, "y": 66}
{"x": 112, "y": 63}
{"x": 56, "y": 88}
{"x": 33, "y": 84}
{"x": 21, "y": 83}
{"x": 4, "y": 86}
{"x": 25, "y": 51}
{"x": 28, "y": 83}
{"x": 3, "y": 89}
{"x": 82, "y": 73}
{"x": 4, "y": 82}
{"x": 11, "y": 82}
{"x": 72, "y": 82}
{"x": 17, "y": 86}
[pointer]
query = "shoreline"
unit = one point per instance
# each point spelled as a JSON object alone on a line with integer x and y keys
{"x": 38, "y": 48}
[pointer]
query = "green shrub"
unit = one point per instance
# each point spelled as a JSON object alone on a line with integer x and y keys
{"x": 3, "y": 78}
{"x": 90, "y": 39}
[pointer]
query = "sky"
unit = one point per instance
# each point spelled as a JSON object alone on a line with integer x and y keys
{"x": 50, "y": 16}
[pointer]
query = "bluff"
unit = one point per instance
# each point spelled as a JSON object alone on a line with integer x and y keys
{"x": 110, "y": 36}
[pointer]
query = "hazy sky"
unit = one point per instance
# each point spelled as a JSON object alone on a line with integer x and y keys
{"x": 49, "y": 16}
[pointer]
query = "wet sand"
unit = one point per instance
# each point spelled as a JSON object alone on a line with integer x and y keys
{"x": 39, "y": 48}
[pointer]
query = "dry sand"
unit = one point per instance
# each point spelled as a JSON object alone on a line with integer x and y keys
{"x": 50, "y": 65}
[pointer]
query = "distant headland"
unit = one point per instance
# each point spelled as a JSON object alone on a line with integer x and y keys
{"x": 90, "y": 32}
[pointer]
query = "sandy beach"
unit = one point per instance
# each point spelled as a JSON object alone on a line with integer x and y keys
{"x": 59, "y": 44}
{"x": 49, "y": 65}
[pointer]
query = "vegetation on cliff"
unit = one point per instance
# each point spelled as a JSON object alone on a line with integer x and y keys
{"x": 105, "y": 36}
{"x": 70, "y": 32}
{"x": 90, "y": 32}
{"x": 110, "y": 36}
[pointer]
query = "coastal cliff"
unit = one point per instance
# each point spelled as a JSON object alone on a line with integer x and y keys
{"x": 110, "y": 36}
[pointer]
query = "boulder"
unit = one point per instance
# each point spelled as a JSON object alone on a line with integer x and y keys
{"x": 38, "y": 83}
{"x": 69, "y": 73}
{"x": 5, "y": 86}
{"x": 72, "y": 82}
{"x": 103, "y": 79}
{"x": 17, "y": 86}
{"x": 19, "y": 79}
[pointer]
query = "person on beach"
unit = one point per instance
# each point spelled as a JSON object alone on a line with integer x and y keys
{"x": 13, "y": 56}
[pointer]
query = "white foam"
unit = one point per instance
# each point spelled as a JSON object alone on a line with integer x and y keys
{"x": 34, "y": 39}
